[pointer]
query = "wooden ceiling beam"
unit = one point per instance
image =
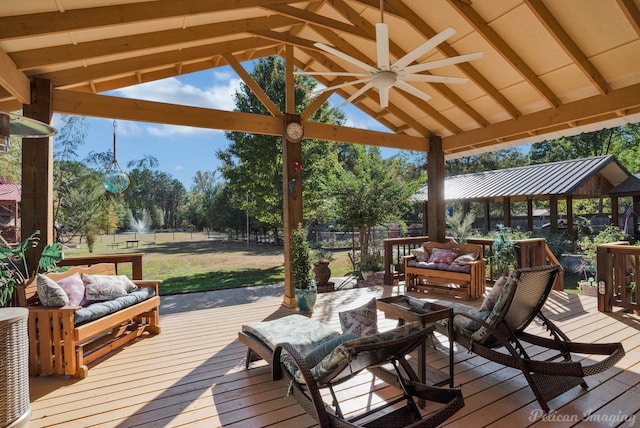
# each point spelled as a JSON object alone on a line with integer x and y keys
{"x": 149, "y": 62}
{"x": 498, "y": 43}
{"x": 313, "y": 18}
{"x": 85, "y": 104}
{"x": 38, "y": 24}
{"x": 445, "y": 49}
{"x": 632, "y": 13}
{"x": 159, "y": 74}
{"x": 554, "y": 28}
{"x": 166, "y": 39}
{"x": 13, "y": 80}
{"x": 253, "y": 85}
{"x": 563, "y": 116}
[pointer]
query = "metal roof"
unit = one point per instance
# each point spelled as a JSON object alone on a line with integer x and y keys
{"x": 629, "y": 187}
{"x": 10, "y": 192}
{"x": 541, "y": 180}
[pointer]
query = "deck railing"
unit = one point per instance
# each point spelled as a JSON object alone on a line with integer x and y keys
{"x": 618, "y": 273}
{"x": 134, "y": 258}
{"x": 531, "y": 252}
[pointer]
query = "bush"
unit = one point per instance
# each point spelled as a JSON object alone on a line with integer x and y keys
{"x": 589, "y": 246}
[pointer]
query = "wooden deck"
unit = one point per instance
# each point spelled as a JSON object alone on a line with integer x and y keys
{"x": 193, "y": 373}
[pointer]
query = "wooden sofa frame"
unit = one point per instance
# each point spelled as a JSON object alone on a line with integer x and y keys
{"x": 66, "y": 349}
{"x": 468, "y": 285}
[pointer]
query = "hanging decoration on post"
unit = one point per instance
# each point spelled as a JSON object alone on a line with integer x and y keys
{"x": 115, "y": 179}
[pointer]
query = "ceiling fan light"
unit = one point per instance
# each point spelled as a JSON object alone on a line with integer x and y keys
{"x": 384, "y": 79}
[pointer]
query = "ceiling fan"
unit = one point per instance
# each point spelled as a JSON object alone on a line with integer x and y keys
{"x": 14, "y": 125}
{"x": 385, "y": 75}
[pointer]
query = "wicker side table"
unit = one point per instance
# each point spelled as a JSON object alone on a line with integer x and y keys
{"x": 15, "y": 409}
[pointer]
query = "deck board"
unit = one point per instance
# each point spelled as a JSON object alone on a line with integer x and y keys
{"x": 193, "y": 374}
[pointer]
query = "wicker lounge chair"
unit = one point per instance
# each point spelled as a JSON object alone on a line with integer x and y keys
{"x": 499, "y": 335}
{"x": 346, "y": 361}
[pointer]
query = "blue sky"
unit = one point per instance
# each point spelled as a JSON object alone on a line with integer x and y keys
{"x": 182, "y": 151}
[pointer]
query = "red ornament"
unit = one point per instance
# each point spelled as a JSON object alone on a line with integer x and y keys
{"x": 297, "y": 166}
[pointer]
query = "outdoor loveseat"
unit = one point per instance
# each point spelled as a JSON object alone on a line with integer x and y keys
{"x": 449, "y": 268}
{"x": 65, "y": 339}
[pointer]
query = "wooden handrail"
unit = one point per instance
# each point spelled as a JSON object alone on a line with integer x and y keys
{"x": 134, "y": 258}
{"x": 618, "y": 266}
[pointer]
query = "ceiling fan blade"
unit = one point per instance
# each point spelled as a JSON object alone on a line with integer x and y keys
{"x": 443, "y": 62}
{"x": 342, "y": 85}
{"x": 359, "y": 92}
{"x": 382, "y": 45}
{"x": 333, "y": 73}
{"x": 424, "y": 48}
{"x": 384, "y": 97}
{"x": 432, "y": 78}
{"x": 345, "y": 57}
{"x": 412, "y": 90}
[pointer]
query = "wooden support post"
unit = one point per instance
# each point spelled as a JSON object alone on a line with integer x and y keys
{"x": 635, "y": 206}
{"x": 570, "y": 231}
{"x": 506, "y": 211}
{"x": 37, "y": 172}
{"x": 487, "y": 215}
{"x": 615, "y": 211}
{"x": 425, "y": 217}
{"x": 435, "y": 169}
{"x": 553, "y": 213}
{"x": 291, "y": 180}
{"x": 530, "y": 214}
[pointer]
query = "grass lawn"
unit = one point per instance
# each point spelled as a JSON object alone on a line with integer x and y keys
{"x": 190, "y": 262}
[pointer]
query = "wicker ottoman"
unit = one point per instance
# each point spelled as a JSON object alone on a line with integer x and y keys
{"x": 15, "y": 409}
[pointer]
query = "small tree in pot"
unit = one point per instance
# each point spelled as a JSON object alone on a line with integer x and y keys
{"x": 322, "y": 257}
{"x": 305, "y": 287}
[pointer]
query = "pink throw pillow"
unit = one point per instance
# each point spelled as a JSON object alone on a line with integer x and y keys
{"x": 442, "y": 256}
{"x": 74, "y": 288}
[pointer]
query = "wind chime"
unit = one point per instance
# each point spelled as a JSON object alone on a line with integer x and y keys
{"x": 115, "y": 179}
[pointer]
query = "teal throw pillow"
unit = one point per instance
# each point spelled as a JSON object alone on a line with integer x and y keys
{"x": 318, "y": 353}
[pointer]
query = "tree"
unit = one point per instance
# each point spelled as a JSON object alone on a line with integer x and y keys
{"x": 252, "y": 164}
{"x": 366, "y": 191}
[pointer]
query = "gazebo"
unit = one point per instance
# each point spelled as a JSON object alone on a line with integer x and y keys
{"x": 547, "y": 69}
{"x": 595, "y": 177}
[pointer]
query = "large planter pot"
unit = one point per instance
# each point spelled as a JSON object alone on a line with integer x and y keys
{"x": 321, "y": 272}
{"x": 306, "y": 298}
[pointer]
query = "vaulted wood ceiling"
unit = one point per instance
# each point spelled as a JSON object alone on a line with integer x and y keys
{"x": 550, "y": 68}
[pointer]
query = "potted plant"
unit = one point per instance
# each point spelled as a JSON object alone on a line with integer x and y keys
{"x": 305, "y": 288}
{"x": 13, "y": 265}
{"x": 322, "y": 272}
{"x": 504, "y": 256}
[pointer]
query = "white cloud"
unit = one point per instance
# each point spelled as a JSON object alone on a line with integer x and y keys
{"x": 173, "y": 91}
{"x": 172, "y": 130}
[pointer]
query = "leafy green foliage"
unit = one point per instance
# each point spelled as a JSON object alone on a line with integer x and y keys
{"x": 300, "y": 259}
{"x": 590, "y": 245}
{"x": 252, "y": 164}
{"x": 365, "y": 191}
{"x": 13, "y": 264}
{"x": 504, "y": 257}
{"x": 460, "y": 225}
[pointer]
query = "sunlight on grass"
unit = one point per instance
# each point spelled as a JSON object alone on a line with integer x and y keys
{"x": 220, "y": 280}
